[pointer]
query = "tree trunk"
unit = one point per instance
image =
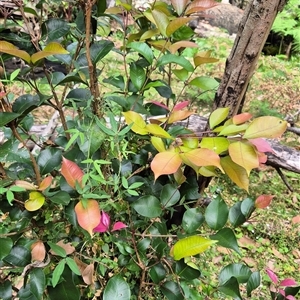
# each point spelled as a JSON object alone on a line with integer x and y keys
{"x": 253, "y": 31}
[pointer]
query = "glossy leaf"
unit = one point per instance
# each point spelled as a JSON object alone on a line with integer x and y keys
{"x": 6, "y": 117}
{"x": 235, "y": 172}
{"x": 165, "y": 163}
{"x": 104, "y": 224}
{"x": 216, "y": 144}
{"x": 172, "y": 290}
{"x": 231, "y": 288}
{"x": 253, "y": 282}
{"x": 233, "y": 129}
{"x": 201, "y": 157}
{"x": 58, "y": 272}
{"x": 244, "y": 155}
{"x": 18, "y": 256}
{"x": 216, "y": 213}
{"x": 57, "y": 249}
{"x": 52, "y": 48}
{"x": 199, "y": 5}
{"x": 190, "y": 246}
{"x": 236, "y": 217}
{"x": 186, "y": 272}
{"x": 239, "y": 271}
{"x": 143, "y": 49}
{"x": 226, "y": 238}
{"x": 10, "y": 49}
{"x": 116, "y": 288}
{"x": 190, "y": 142}
{"x": 288, "y": 282}
{"x": 71, "y": 172}
{"x": 169, "y": 195}
{"x": 179, "y": 6}
{"x": 36, "y": 201}
{"x": 204, "y": 83}
{"x": 6, "y": 246}
{"x": 137, "y": 75}
{"x": 218, "y": 116}
{"x": 158, "y": 144}
{"x": 161, "y": 20}
{"x": 37, "y": 282}
{"x": 6, "y": 290}
{"x": 49, "y": 159}
{"x": 176, "y": 24}
{"x": 263, "y": 201}
{"x": 38, "y": 251}
{"x": 88, "y": 214}
{"x": 147, "y": 206}
{"x": 265, "y": 127}
{"x": 241, "y": 118}
{"x": 157, "y": 273}
{"x": 46, "y": 182}
{"x": 272, "y": 276}
{"x": 192, "y": 220}
{"x": 181, "y": 105}
{"x": 172, "y": 58}
{"x": 156, "y": 130}
{"x": 138, "y": 123}
{"x": 181, "y": 44}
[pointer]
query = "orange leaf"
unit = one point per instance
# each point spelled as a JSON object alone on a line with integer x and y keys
{"x": 200, "y": 5}
{"x": 182, "y": 44}
{"x": 244, "y": 155}
{"x": 45, "y": 183}
{"x": 88, "y": 214}
{"x": 235, "y": 172}
{"x": 267, "y": 127}
{"x": 179, "y": 5}
{"x": 87, "y": 274}
{"x": 201, "y": 157}
{"x": 38, "y": 251}
{"x": 165, "y": 163}
{"x": 263, "y": 201}
{"x": 241, "y": 118}
{"x": 71, "y": 172}
{"x": 179, "y": 115}
{"x": 68, "y": 247}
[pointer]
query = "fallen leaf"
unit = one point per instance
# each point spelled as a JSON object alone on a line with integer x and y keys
{"x": 69, "y": 248}
{"x": 38, "y": 251}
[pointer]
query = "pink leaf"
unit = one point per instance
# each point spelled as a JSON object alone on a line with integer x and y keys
{"x": 103, "y": 226}
{"x": 160, "y": 104}
{"x": 261, "y": 145}
{"x": 118, "y": 226}
{"x": 71, "y": 172}
{"x": 272, "y": 275}
{"x": 282, "y": 292}
{"x": 288, "y": 282}
{"x": 290, "y": 297}
{"x": 181, "y": 105}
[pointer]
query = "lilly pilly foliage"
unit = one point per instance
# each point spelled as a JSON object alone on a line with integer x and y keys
{"x": 58, "y": 200}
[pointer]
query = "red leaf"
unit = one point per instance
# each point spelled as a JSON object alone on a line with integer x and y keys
{"x": 288, "y": 282}
{"x": 160, "y": 104}
{"x": 272, "y": 275}
{"x": 181, "y": 105}
{"x": 263, "y": 201}
{"x": 118, "y": 226}
{"x": 88, "y": 214}
{"x": 45, "y": 183}
{"x": 261, "y": 145}
{"x": 71, "y": 172}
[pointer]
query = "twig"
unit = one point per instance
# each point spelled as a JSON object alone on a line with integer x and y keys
{"x": 284, "y": 179}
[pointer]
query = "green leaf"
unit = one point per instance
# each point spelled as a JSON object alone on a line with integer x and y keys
{"x": 182, "y": 74}
{"x": 231, "y": 288}
{"x": 116, "y": 288}
{"x": 6, "y": 117}
{"x": 172, "y": 290}
{"x": 216, "y": 214}
{"x": 49, "y": 159}
{"x": 236, "y": 217}
{"x": 192, "y": 220}
{"x": 218, "y": 116}
{"x": 19, "y": 256}
{"x": 6, "y": 246}
{"x": 137, "y": 75}
{"x": 205, "y": 83}
{"x": 143, "y": 49}
{"x": 100, "y": 49}
{"x": 190, "y": 246}
{"x": 253, "y": 282}
{"x": 57, "y": 272}
{"x": 241, "y": 272}
{"x": 226, "y": 238}
{"x": 73, "y": 266}
{"x": 169, "y": 195}
{"x": 36, "y": 201}
{"x": 157, "y": 273}
{"x": 57, "y": 249}
{"x": 247, "y": 207}
{"x": 161, "y": 21}
{"x": 147, "y": 206}
{"x": 186, "y": 272}
{"x": 60, "y": 197}
{"x": 37, "y": 282}
{"x": 6, "y": 290}
{"x": 233, "y": 129}
{"x": 216, "y": 144}
{"x": 179, "y": 60}
{"x": 54, "y": 29}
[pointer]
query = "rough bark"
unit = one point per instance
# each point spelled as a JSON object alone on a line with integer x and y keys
{"x": 240, "y": 65}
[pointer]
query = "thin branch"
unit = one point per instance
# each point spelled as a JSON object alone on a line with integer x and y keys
{"x": 282, "y": 176}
